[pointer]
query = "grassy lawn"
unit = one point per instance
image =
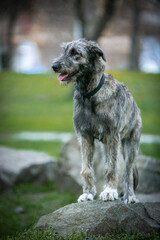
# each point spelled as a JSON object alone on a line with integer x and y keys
{"x": 146, "y": 90}
{"x": 51, "y": 235}
{"x": 151, "y": 149}
{"x": 34, "y": 103}
{"x": 35, "y": 200}
{"x": 39, "y": 103}
{"x": 50, "y": 147}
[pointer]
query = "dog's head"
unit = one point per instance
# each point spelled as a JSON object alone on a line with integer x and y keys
{"x": 78, "y": 57}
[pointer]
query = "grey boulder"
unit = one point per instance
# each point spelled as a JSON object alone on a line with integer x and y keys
{"x": 23, "y": 165}
{"x": 149, "y": 174}
{"x": 99, "y": 218}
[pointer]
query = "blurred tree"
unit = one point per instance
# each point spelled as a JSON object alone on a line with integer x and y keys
{"x": 79, "y": 20}
{"x": 135, "y": 25}
{"x": 109, "y": 9}
{"x": 80, "y": 24}
{"x": 137, "y": 8}
{"x": 9, "y": 12}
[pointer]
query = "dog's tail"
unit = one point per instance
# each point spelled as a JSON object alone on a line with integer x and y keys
{"x": 135, "y": 177}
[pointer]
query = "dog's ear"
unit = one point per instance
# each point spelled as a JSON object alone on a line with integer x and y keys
{"x": 64, "y": 45}
{"x": 95, "y": 48}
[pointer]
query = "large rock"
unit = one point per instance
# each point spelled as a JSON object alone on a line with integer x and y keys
{"x": 148, "y": 167}
{"x": 149, "y": 174}
{"x": 31, "y": 166}
{"x": 102, "y": 217}
{"x": 23, "y": 165}
{"x": 150, "y": 197}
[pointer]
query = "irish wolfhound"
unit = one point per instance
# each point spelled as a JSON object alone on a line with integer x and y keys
{"x": 104, "y": 109}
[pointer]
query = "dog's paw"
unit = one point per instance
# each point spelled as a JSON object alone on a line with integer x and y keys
{"x": 86, "y": 197}
{"x": 109, "y": 194}
{"x": 131, "y": 199}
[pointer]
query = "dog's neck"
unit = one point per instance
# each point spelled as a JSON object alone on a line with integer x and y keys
{"x": 88, "y": 83}
{"x": 94, "y": 81}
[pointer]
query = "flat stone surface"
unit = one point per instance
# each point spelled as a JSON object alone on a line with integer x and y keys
{"x": 101, "y": 217}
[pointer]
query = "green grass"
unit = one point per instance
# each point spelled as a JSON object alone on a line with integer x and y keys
{"x": 36, "y": 201}
{"x": 51, "y": 235}
{"x": 39, "y": 103}
{"x": 50, "y": 147}
{"x": 34, "y": 103}
{"x": 151, "y": 149}
{"x": 146, "y": 90}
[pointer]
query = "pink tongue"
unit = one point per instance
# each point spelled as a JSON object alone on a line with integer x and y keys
{"x": 61, "y": 77}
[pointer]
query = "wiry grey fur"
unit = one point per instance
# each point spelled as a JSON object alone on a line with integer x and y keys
{"x": 111, "y": 116}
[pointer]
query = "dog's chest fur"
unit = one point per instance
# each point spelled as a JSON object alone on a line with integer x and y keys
{"x": 87, "y": 121}
{"x": 113, "y": 111}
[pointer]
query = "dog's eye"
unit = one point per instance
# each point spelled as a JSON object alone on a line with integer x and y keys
{"x": 74, "y": 52}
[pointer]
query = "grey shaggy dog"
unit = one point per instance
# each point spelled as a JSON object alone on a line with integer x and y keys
{"x": 104, "y": 109}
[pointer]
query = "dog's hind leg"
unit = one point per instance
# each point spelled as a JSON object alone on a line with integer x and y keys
{"x": 111, "y": 154}
{"x": 87, "y": 172}
{"x": 130, "y": 149}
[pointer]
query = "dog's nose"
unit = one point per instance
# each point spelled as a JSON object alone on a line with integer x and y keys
{"x": 56, "y": 67}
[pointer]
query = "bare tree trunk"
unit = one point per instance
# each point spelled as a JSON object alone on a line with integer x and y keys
{"x": 134, "y": 55}
{"x": 8, "y": 44}
{"x": 79, "y": 30}
{"x": 109, "y": 8}
{"x": 79, "y": 20}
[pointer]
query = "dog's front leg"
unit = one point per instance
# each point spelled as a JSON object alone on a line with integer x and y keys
{"x": 111, "y": 154}
{"x": 87, "y": 172}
